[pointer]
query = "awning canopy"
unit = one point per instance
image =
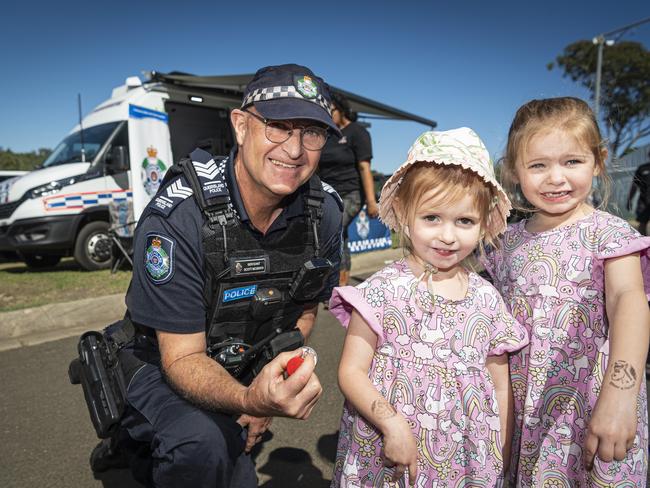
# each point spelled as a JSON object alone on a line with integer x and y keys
{"x": 235, "y": 84}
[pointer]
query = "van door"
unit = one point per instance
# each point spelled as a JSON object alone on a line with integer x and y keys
{"x": 150, "y": 152}
{"x": 193, "y": 126}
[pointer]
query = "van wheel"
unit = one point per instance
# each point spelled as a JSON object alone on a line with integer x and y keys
{"x": 38, "y": 261}
{"x": 93, "y": 247}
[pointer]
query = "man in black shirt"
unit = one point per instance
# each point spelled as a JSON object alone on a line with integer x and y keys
{"x": 641, "y": 183}
{"x": 345, "y": 165}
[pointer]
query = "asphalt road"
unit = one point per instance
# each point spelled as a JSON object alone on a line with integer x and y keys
{"x": 47, "y": 435}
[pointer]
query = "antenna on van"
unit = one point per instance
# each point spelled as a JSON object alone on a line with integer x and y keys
{"x": 81, "y": 130}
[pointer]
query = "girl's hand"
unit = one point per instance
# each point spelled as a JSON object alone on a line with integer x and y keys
{"x": 611, "y": 431}
{"x": 400, "y": 449}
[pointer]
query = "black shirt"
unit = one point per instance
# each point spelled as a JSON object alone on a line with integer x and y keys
{"x": 173, "y": 300}
{"x": 339, "y": 160}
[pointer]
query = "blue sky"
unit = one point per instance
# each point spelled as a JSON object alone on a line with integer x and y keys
{"x": 462, "y": 63}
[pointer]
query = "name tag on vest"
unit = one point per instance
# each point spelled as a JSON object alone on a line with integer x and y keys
{"x": 249, "y": 266}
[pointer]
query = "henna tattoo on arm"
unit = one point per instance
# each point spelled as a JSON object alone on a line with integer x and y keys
{"x": 383, "y": 409}
{"x": 623, "y": 376}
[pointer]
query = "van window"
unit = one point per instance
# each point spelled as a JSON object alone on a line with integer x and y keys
{"x": 122, "y": 137}
{"x": 69, "y": 149}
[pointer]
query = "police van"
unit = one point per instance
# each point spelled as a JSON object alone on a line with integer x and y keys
{"x": 116, "y": 158}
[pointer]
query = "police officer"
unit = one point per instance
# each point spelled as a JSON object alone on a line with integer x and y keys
{"x": 199, "y": 419}
{"x": 641, "y": 183}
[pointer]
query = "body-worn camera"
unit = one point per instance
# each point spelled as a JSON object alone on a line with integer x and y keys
{"x": 310, "y": 279}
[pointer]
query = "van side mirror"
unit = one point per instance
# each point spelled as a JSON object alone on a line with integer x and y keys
{"x": 117, "y": 160}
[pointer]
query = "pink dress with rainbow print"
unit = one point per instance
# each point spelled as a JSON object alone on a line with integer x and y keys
{"x": 553, "y": 282}
{"x": 430, "y": 365}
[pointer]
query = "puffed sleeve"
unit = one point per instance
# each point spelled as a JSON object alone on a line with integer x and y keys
{"x": 366, "y": 299}
{"x": 507, "y": 335}
{"x": 617, "y": 238}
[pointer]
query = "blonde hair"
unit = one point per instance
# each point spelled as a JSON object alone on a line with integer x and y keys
{"x": 569, "y": 114}
{"x": 453, "y": 183}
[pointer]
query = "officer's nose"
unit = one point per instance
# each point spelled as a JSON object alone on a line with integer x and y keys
{"x": 293, "y": 145}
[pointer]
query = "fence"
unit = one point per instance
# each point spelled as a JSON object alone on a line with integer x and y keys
{"x": 621, "y": 172}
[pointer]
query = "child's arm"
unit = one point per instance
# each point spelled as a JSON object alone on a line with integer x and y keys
{"x": 400, "y": 449}
{"x": 613, "y": 424}
{"x": 500, "y": 373}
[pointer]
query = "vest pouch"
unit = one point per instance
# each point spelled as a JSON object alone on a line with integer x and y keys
{"x": 265, "y": 303}
{"x": 250, "y": 307}
{"x": 287, "y": 341}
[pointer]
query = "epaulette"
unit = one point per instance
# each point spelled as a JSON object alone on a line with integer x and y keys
{"x": 170, "y": 196}
{"x": 210, "y": 176}
{"x": 330, "y": 189}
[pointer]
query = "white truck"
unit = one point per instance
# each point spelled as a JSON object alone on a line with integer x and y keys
{"x": 119, "y": 153}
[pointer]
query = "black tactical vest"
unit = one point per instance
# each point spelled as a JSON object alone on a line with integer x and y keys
{"x": 248, "y": 279}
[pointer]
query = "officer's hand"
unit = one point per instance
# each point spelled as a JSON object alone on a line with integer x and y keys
{"x": 256, "y": 428}
{"x": 270, "y": 395}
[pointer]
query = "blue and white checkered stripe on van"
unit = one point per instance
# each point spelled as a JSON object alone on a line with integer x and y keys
{"x": 72, "y": 201}
{"x": 369, "y": 244}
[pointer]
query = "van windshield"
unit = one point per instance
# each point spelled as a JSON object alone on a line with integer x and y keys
{"x": 69, "y": 149}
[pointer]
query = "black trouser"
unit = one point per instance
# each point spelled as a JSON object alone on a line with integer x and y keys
{"x": 190, "y": 446}
{"x": 643, "y": 216}
{"x": 351, "y": 207}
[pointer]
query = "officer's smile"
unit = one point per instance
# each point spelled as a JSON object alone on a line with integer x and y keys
{"x": 282, "y": 164}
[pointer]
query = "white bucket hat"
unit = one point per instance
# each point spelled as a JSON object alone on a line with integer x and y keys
{"x": 460, "y": 147}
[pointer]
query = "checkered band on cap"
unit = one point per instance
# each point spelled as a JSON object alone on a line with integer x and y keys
{"x": 275, "y": 92}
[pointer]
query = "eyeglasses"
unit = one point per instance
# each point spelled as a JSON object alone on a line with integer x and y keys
{"x": 312, "y": 138}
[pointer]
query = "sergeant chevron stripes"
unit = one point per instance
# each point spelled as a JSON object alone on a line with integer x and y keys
{"x": 207, "y": 170}
{"x": 177, "y": 190}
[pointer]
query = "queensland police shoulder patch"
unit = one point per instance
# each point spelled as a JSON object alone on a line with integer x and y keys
{"x": 159, "y": 258}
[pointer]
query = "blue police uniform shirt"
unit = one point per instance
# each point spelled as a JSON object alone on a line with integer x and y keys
{"x": 166, "y": 290}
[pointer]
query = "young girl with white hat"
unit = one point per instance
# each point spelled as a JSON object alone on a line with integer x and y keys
{"x": 424, "y": 367}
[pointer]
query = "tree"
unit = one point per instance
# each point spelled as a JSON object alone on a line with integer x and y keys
{"x": 22, "y": 161}
{"x": 624, "y": 92}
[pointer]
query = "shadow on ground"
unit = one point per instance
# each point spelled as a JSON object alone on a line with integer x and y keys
{"x": 289, "y": 466}
{"x": 327, "y": 446}
{"x": 117, "y": 478}
{"x": 286, "y": 466}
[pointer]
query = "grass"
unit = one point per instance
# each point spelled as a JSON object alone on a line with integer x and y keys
{"x": 21, "y": 287}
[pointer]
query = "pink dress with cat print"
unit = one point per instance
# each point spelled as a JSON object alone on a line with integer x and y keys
{"x": 430, "y": 365}
{"x": 553, "y": 282}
